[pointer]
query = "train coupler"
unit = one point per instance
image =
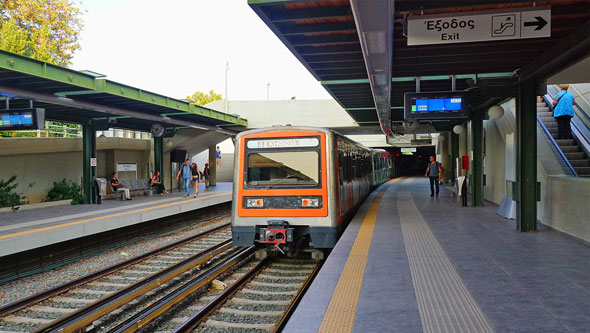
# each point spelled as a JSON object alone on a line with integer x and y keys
{"x": 277, "y": 232}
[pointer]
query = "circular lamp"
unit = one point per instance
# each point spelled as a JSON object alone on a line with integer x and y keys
{"x": 496, "y": 112}
{"x": 458, "y": 129}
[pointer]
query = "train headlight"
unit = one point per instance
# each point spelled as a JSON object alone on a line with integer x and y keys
{"x": 310, "y": 202}
{"x": 254, "y": 203}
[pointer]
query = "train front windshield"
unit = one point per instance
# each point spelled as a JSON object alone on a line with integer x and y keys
{"x": 283, "y": 166}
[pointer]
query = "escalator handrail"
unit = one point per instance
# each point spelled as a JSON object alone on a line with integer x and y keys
{"x": 567, "y": 162}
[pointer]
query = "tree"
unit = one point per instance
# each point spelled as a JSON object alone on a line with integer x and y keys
{"x": 46, "y": 30}
{"x": 200, "y": 98}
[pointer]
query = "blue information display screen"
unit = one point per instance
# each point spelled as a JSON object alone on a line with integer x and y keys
{"x": 22, "y": 119}
{"x": 436, "y": 105}
{"x": 7, "y": 120}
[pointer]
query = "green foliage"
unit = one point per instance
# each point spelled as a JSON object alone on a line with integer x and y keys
{"x": 7, "y": 197}
{"x": 201, "y": 98}
{"x": 46, "y": 30}
{"x": 66, "y": 189}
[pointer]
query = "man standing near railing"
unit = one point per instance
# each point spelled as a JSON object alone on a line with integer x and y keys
{"x": 563, "y": 111}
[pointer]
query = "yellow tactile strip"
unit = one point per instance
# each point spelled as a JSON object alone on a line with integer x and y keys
{"x": 444, "y": 302}
{"x": 340, "y": 315}
{"x": 26, "y": 232}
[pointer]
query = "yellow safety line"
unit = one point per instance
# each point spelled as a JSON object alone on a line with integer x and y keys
{"x": 104, "y": 217}
{"x": 340, "y": 315}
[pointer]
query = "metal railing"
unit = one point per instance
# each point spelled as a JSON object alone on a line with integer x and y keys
{"x": 548, "y": 134}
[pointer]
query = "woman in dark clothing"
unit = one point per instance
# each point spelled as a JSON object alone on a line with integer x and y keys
{"x": 196, "y": 173}
{"x": 206, "y": 175}
{"x": 158, "y": 183}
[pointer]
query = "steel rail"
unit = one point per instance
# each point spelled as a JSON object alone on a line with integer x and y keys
{"x": 287, "y": 314}
{"x": 218, "y": 301}
{"x": 160, "y": 307}
{"x": 26, "y": 302}
{"x": 82, "y": 318}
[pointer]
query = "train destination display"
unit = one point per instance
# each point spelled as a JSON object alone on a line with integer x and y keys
{"x": 22, "y": 119}
{"x": 435, "y": 105}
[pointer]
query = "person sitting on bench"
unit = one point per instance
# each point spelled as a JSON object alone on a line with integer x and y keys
{"x": 157, "y": 183}
{"x": 119, "y": 187}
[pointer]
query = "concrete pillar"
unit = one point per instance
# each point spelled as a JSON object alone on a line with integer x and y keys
{"x": 526, "y": 156}
{"x": 477, "y": 172}
{"x": 159, "y": 156}
{"x": 88, "y": 171}
{"x": 454, "y": 155}
{"x": 444, "y": 157}
{"x": 212, "y": 166}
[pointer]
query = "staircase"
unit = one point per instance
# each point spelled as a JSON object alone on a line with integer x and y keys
{"x": 570, "y": 148}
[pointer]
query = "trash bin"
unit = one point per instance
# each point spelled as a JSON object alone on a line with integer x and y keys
{"x": 101, "y": 189}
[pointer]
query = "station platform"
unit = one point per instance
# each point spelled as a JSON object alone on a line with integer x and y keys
{"x": 25, "y": 230}
{"x": 409, "y": 262}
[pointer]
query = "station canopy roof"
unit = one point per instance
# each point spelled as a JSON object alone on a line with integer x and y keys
{"x": 324, "y": 36}
{"x": 88, "y": 98}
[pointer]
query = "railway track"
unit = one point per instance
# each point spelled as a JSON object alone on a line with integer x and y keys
{"x": 164, "y": 267}
{"x": 260, "y": 298}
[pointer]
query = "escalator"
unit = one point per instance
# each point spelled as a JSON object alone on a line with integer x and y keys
{"x": 573, "y": 153}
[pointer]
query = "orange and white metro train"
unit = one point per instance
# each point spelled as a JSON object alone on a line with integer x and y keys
{"x": 298, "y": 187}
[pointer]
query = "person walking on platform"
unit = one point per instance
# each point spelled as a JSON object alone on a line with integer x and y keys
{"x": 196, "y": 174}
{"x": 206, "y": 172}
{"x": 119, "y": 187}
{"x": 563, "y": 112}
{"x": 157, "y": 183}
{"x": 185, "y": 172}
{"x": 218, "y": 156}
{"x": 434, "y": 171}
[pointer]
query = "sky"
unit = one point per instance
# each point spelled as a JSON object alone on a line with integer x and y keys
{"x": 177, "y": 47}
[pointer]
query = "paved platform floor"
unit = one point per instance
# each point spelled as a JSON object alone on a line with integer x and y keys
{"x": 431, "y": 265}
{"x": 28, "y": 229}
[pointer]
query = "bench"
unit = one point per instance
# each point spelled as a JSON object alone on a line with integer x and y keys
{"x": 134, "y": 186}
{"x": 139, "y": 185}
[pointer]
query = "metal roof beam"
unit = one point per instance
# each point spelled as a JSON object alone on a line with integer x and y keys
{"x": 301, "y": 40}
{"x": 300, "y": 29}
{"x": 329, "y": 58}
{"x": 374, "y": 21}
{"x": 106, "y": 109}
{"x": 281, "y": 15}
{"x": 335, "y": 49}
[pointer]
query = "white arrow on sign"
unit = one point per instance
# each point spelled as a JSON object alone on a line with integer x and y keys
{"x": 529, "y": 22}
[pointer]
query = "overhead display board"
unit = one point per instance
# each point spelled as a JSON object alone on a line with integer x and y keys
{"x": 22, "y": 119}
{"x": 516, "y": 23}
{"x": 436, "y": 105}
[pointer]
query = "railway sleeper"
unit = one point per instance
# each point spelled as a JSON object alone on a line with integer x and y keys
{"x": 266, "y": 284}
{"x": 256, "y": 301}
{"x": 250, "y": 313}
{"x": 26, "y": 320}
{"x": 265, "y": 292}
{"x": 268, "y": 276}
{"x": 223, "y": 324}
{"x": 50, "y": 309}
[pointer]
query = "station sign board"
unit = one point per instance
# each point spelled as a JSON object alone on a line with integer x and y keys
{"x": 408, "y": 150}
{"x": 516, "y": 23}
{"x": 126, "y": 167}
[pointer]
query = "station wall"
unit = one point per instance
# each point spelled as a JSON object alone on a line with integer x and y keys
{"x": 46, "y": 160}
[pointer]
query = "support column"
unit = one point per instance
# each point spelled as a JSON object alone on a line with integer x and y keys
{"x": 477, "y": 132}
{"x": 159, "y": 156}
{"x": 89, "y": 172}
{"x": 526, "y": 156}
{"x": 212, "y": 166}
{"x": 454, "y": 155}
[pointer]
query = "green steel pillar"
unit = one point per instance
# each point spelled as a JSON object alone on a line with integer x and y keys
{"x": 212, "y": 166}
{"x": 89, "y": 172}
{"x": 526, "y": 156}
{"x": 159, "y": 156}
{"x": 477, "y": 132}
{"x": 454, "y": 156}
